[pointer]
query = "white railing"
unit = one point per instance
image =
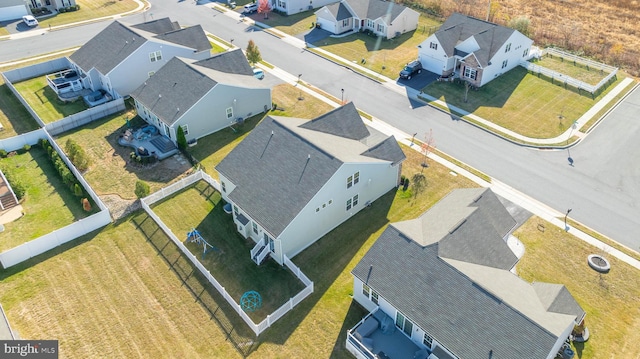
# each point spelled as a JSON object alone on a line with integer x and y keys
{"x": 568, "y": 80}
{"x": 10, "y": 189}
{"x": 263, "y": 254}
{"x": 271, "y": 318}
{"x": 254, "y": 251}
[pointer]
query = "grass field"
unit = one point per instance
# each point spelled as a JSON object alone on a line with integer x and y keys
{"x": 200, "y": 207}
{"x": 90, "y": 9}
{"x": 44, "y": 101}
{"x": 610, "y": 300}
{"x": 48, "y": 204}
{"x": 573, "y": 69}
{"x": 521, "y": 102}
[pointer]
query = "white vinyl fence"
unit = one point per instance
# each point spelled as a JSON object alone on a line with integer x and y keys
{"x": 568, "y": 80}
{"x": 271, "y": 318}
{"x": 17, "y": 142}
{"x": 86, "y": 116}
{"x": 63, "y": 235}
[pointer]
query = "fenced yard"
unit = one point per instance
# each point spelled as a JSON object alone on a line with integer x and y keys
{"x": 49, "y": 204}
{"x": 44, "y": 101}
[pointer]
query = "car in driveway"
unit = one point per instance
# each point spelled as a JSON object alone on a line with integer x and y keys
{"x": 258, "y": 73}
{"x": 250, "y": 8}
{"x": 30, "y": 21}
{"x": 411, "y": 69}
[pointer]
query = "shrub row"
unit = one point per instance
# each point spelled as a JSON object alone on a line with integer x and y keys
{"x": 69, "y": 8}
{"x": 65, "y": 173}
{"x": 77, "y": 155}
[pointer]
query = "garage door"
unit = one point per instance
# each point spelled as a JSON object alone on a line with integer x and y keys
{"x": 432, "y": 64}
{"x": 12, "y": 12}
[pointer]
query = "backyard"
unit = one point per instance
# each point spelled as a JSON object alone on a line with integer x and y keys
{"x": 45, "y": 102}
{"x": 521, "y": 102}
{"x": 48, "y": 203}
{"x": 200, "y": 207}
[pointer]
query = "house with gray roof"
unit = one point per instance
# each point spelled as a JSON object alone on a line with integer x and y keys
{"x": 474, "y": 50}
{"x": 202, "y": 96}
{"x": 440, "y": 286}
{"x": 121, "y": 57}
{"x": 383, "y": 18}
{"x": 292, "y": 180}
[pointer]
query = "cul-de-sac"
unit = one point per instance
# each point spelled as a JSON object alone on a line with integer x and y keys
{"x": 369, "y": 179}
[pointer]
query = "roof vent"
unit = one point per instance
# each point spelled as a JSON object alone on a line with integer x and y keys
{"x": 159, "y": 95}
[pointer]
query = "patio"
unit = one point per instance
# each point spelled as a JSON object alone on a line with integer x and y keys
{"x": 153, "y": 144}
{"x": 371, "y": 340}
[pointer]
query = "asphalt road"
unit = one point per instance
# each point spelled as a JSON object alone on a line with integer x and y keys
{"x": 602, "y": 187}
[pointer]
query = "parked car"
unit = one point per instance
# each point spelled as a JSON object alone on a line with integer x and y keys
{"x": 412, "y": 68}
{"x": 250, "y": 8}
{"x": 258, "y": 73}
{"x": 29, "y": 20}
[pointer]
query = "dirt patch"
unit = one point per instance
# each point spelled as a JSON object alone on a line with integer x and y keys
{"x": 120, "y": 207}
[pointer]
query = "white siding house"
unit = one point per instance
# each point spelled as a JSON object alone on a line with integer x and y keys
{"x": 121, "y": 57}
{"x": 474, "y": 50}
{"x": 443, "y": 283}
{"x": 291, "y": 7}
{"x": 202, "y": 96}
{"x": 383, "y": 18}
{"x": 13, "y": 9}
{"x": 291, "y": 181}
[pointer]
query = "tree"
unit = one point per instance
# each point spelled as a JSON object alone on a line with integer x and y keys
{"x": 520, "y": 23}
{"x": 427, "y": 147}
{"x": 264, "y": 7}
{"x": 253, "y": 53}
{"x": 182, "y": 140}
{"x": 142, "y": 189}
{"x": 419, "y": 183}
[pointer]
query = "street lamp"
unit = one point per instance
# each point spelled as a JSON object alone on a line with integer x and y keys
{"x": 565, "y": 219}
{"x": 574, "y": 125}
{"x": 300, "y": 98}
{"x": 342, "y": 97}
{"x": 231, "y": 43}
{"x": 413, "y": 138}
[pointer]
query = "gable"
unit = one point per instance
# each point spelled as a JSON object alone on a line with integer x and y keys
{"x": 191, "y": 37}
{"x": 159, "y": 26}
{"x": 344, "y": 121}
{"x": 232, "y": 62}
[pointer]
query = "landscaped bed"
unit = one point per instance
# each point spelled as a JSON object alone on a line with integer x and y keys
{"x": 45, "y": 102}
{"x": 200, "y": 207}
{"x": 48, "y": 205}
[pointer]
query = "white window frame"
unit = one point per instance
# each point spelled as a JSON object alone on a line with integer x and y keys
{"x": 349, "y": 201}
{"x": 345, "y": 22}
{"x": 254, "y": 226}
{"x": 470, "y": 73}
{"x": 505, "y": 63}
{"x": 356, "y": 178}
{"x": 433, "y": 45}
{"x": 371, "y": 24}
{"x": 155, "y": 56}
{"x": 507, "y": 48}
{"x": 185, "y": 129}
{"x": 427, "y": 340}
{"x": 350, "y": 181}
{"x": 371, "y": 294}
{"x": 355, "y": 200}
{"x": 229, "y": 112}
{"x": 403, "y": 326}
{"x": 525, "y": 53}
{"x": 381, "y": 28}
{"x": 224, "y": 188}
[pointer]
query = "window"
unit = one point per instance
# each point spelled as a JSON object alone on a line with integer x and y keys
{"x": 380, "y": 28}
{"x": 366, "y": 290}
{"x": 470, "y": 73}
{"x": 526, "y": 52}
{"x": 229, "y": 112}
{"x": 504, "y": 63}
{"x": 317, "y": 209}
{"x": 150, "y": 73}
{"x": 224, "y": 188}
{"x": 282, "y": 4}
{"x": 356, "y": 177}
{"x": 355, "y": 200}
{"x": 404, "y": 324}
{"x": 349, "y": 181}
{"x": 433, "y": 45}
{"x": 185, "y": 129}
{"x": 427, "y": 340}
{"x": 235, "y": 210}
{"x": 374, "y": 297}
{"x": 324, "y": 205}
{"x": 330, "y": 201}
{"x": 370, "y": 24}
{"x": 369, "y": 293}
{"x": 255, "y": 227}
{"x": 155, "y": 56}
{"x": 345, "y": 22}
{"x": 349, "y": 204}
{"x": 507, "y": 48}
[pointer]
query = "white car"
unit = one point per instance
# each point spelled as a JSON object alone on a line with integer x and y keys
{"x": 29, "y": 20}
{"x": 258, "y": 73}
{"x": 250, "y": 8}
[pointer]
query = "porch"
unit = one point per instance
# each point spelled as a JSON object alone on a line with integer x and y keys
{"x": 377, "y": 337}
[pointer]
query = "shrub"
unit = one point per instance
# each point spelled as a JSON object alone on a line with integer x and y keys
{"x": 43, "y": 142}
{"x": 86, "y": 205}
{"x": 18, "y": 187}
{"x": 26, "y": 147}
{"x": 3, "y": 153}
{"x": 77, "y": 155}
{"x": 77, "y": 190}
{"x": 77, "y": 7}
{"x": 182, "y": 140}
{"x": 61, "y": 10}
{"x": 142, "y": 189}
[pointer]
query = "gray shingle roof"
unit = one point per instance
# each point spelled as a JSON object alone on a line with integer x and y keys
{"x": 159, "y": 26}
{"x": 233, "y": 62}
{"x": 340, "y": 122}
{"x": 281, "y": 165}
{"x": 386, "y": 150}
{"x": 174, "y": 89}
{"x": 458, "y": 28}
{"x": 339, "y": 11}
{"x": 458, "y": 302}
{"x": 117, "y": 41}
{"x": 374, "y": 9}
{"x": 466, "y": 319}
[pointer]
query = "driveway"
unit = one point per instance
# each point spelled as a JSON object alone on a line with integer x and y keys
{"x": 418, "y": 81}
{"x": 16, "y": 26}
{"x": 314, "y": 35}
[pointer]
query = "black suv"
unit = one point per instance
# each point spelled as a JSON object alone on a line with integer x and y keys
{"x": 412, "y": 68}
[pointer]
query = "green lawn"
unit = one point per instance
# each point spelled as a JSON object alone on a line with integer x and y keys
{"x": 391, "y": 54}
{"x": 110, "y": 161}
{"x": 44, "y": 101}
{"x": 89, "y": 9}
{"x": 200, "y": 207}
{"x": 576, "y": 70}
{"x": 48, "y": 203}
{"x": 521, "y": 102}
{"x": 610, "y": 300}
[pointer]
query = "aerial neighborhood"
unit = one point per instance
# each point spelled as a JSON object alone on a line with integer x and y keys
{"x": 363, "y": 179}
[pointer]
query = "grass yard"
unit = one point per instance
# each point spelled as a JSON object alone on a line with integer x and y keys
{"x": 577, "y": 70}
{"x": 391, "y": 54}
{"x": 44, "y": 101}
{"x": 293, "y": 25}
{"x": 90, "y": 9}
{"x": 211, "y": 149}
{"x": 48, "y": 203}
{"x": 200, "y": 207}
{"x": 110, "y": 161}
{"x": 521, "y": 102}
{"x": 610, "y": 300}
